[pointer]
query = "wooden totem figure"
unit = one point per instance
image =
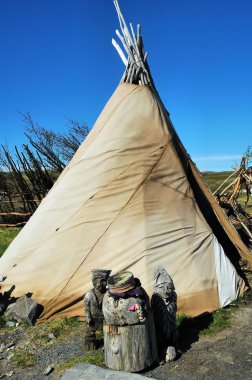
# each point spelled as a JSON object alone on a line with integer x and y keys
{"x": 164, "y": 307}
{"x": 93, "y": 306}
{"x": 129, "y": 333}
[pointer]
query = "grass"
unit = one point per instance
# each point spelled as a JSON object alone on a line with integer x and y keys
{"x": 60, "y": 328}
{"x": 215, "y": 179}
{"x": 221, "y": 321}
{"x": 2, "y": 321}
{"x": 210, "y": 323}
{"x": 92, "y": 357}
{"x": 6, "y": 237}
{"x": 23, "y": 359}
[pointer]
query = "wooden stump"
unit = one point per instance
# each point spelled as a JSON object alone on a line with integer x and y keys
{"x": 130, "y": 348}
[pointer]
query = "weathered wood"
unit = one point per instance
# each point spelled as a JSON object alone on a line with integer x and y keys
{"x": 15, "y": 213}
{"x": 137, "y": 58}
{"x": 119, "y": 51}
{"x": 13, "y": 225}
{"x": 236, "y": 171}
{"x": 130, "y": 348}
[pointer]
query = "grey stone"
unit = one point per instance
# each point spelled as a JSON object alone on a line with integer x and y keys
{"x": 51, "y": 336}
{"x": 48, "y": 370}
{"x": 85, "y": 371}
{"x": 9, "y": 374}
{"x": 10, "y": 345}
{"x": 10, "y": 324}
{"x": 2, "y": 347}
{"x": 23, "y": 310}
{"x": 10, "y": 356}
{"x": 170, "y": 354}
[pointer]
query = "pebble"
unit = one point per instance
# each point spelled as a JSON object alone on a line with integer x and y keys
{"x": 9, "y": 374}
{"x": 10, "y": 324}
{"x": 10, "y": 345}
{"x": 48, "y": 370}
{"x": 8, "y": 357}
{"x": 51, "y": 336}
{"x": 2, "y": 347}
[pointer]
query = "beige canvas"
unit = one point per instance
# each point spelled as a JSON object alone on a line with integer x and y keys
{"x": 123, "y": 202}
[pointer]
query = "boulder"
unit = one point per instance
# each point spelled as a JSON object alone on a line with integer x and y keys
{"x": 85, "y": 371}
{"x": 25, "y": 309}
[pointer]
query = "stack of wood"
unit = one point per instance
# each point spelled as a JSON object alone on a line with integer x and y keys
{"x": 227, "y": 195}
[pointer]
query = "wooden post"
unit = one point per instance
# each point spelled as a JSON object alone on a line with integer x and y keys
{"x": 130, "y": 348}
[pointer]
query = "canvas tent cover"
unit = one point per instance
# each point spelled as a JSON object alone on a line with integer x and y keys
{"x": 126, "y": 202}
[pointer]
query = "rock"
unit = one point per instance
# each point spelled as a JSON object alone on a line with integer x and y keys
{"x": 2, "y": 347}
{"x": 170, "y": 354}
{"x": 9, "y": 374}
{"x": 23, "y": 310}
{"x": 10, "y": 356}
{"x": 51, "y": 336}
{"x": 85, "y": 371}
{"x": 10, "y": 324}
{"x": 9, "y": 345}
{"x": 48, "y": 370}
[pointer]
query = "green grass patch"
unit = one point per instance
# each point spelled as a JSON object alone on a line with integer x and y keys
{"x": 92, "y": 357}
{"x": 23, "y": 359}
{"x": 221, "y": 321}
{"x": 60, "y": 328}
{"x": 7, "y": 234}
{"x": 2, "y": 321}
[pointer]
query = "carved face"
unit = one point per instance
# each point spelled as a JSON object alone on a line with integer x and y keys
{"x": 100, "y": 284}
{"x": 164, "y": 290}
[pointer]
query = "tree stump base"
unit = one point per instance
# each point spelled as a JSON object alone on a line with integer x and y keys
{"x": 130, "y": 348}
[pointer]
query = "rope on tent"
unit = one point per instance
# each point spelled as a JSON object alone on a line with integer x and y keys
{"x": 137, "y": 69}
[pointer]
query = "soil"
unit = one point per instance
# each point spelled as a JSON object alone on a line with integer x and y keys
{"x": 224, "y": 355}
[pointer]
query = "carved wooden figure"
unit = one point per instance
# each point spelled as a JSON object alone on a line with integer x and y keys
{"x": 129, "y": 333}
{"x": 164, "y": 306}
{"x": 93, "y": 307}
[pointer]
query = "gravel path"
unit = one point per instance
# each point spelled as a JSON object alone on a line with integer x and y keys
{"x": 225, "y": 356}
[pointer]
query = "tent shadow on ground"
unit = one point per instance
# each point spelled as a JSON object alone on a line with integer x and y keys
{"x": 190, "y": 329}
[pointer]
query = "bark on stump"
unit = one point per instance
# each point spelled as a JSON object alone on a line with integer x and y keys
{"x": 130, "y": 348}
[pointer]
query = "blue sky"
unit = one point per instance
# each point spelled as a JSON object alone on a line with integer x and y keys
{"x": 57, "y": 62}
